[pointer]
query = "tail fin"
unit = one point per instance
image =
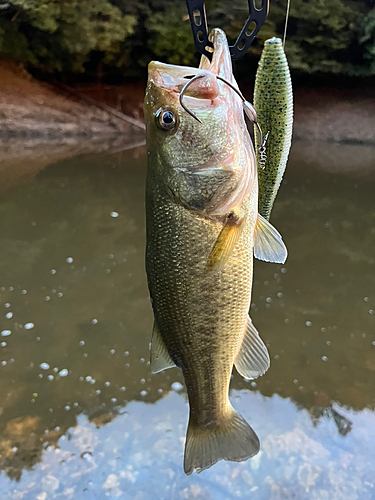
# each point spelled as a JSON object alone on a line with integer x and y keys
{"x": 232, "y": 440}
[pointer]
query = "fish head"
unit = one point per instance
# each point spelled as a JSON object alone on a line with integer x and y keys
{"x": 219, "y": 139}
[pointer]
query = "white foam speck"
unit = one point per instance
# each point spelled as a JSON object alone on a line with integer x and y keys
{"x": 114, "y": 214}
{"x": 29, "y": 326}
{"x": 63, "y": 373}
{"x": 176, "y": 386}
{"x": 6, "y": 333}
{"x": 44, "y": 366}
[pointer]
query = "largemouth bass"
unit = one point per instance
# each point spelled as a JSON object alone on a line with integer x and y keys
{"x": 273, "y": 100}
{"x": 202, "y": 222}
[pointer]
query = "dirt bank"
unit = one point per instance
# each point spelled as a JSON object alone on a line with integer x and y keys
{"x": 31, "y": 109}
{"x": 332, "y": 115}
{"x": 36, "y": 110}
{"x": 329, "y": 115}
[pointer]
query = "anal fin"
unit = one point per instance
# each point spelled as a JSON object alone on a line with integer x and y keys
{"x": 268, "y": 243}
{"x": 226, "y": 241}
{"x": 160, "y": 358}
{"x": 252, "y": 359}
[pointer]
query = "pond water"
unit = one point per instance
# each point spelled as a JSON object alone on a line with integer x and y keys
{"x": 81, "y": 417}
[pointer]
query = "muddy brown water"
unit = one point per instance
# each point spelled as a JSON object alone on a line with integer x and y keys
{"x": 80, "y": 414}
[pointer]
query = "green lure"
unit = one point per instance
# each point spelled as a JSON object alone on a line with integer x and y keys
{"x": 273, "y": 101}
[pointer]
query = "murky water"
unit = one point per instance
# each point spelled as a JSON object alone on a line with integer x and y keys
{"x": 81, "y": 416}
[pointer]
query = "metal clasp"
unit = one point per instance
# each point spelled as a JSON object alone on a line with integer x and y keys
{"x": 198, "y": 21}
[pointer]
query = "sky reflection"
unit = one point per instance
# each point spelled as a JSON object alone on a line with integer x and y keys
{"x": 140, "y": 452}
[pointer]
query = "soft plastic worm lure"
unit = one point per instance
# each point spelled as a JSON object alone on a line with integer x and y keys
{"x": 273, "y": 100}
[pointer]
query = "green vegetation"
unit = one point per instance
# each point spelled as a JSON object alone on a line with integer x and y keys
{"x": 117, "y": 38}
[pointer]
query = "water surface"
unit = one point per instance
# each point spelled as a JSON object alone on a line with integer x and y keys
{"x": 81, "y": 416}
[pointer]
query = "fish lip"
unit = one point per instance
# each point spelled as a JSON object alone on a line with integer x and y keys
{"x": 170, "y": 75}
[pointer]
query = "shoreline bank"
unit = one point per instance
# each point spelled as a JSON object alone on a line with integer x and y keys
{"x": 38, "y": 111}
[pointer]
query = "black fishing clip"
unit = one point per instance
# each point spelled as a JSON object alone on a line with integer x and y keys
{"x": 198, "y": 21}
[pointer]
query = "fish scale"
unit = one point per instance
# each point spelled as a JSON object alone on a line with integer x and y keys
{"x": 273, "y": 101}
{"x": 205, "y": 309}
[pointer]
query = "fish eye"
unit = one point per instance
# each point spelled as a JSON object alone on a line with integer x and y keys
{"x": 166, "y": 119}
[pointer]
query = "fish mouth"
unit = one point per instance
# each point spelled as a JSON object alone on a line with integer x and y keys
{"x": 221, "y": 63}
{"x": 173, "y": 77}
{"x": 171, "y": 80}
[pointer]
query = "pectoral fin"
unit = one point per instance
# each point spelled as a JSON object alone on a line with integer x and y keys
{"x": 252, "y": 359}
{"x": 225, "y": 242}
{"x": 268, "y": 243}
{"x": 160, "y": 358}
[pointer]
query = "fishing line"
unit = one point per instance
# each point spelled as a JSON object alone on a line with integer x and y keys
{"x": 286, "y": 21}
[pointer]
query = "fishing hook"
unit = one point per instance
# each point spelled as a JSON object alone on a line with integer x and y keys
{"x": 248, "y": 108}
{"x": 184, "y": 89}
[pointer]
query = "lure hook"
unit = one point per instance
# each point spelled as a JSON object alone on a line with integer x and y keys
{"x": 248, "y": 108}
{"x": 184, "y": 89}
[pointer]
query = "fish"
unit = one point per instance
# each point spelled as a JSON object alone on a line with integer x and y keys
{"x": 273, "y": 101}
{"x": 202, "y": 225}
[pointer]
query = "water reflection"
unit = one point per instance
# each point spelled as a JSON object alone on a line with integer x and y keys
{"x": 140, "y": 453}
{"x": 74, "y": 299}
